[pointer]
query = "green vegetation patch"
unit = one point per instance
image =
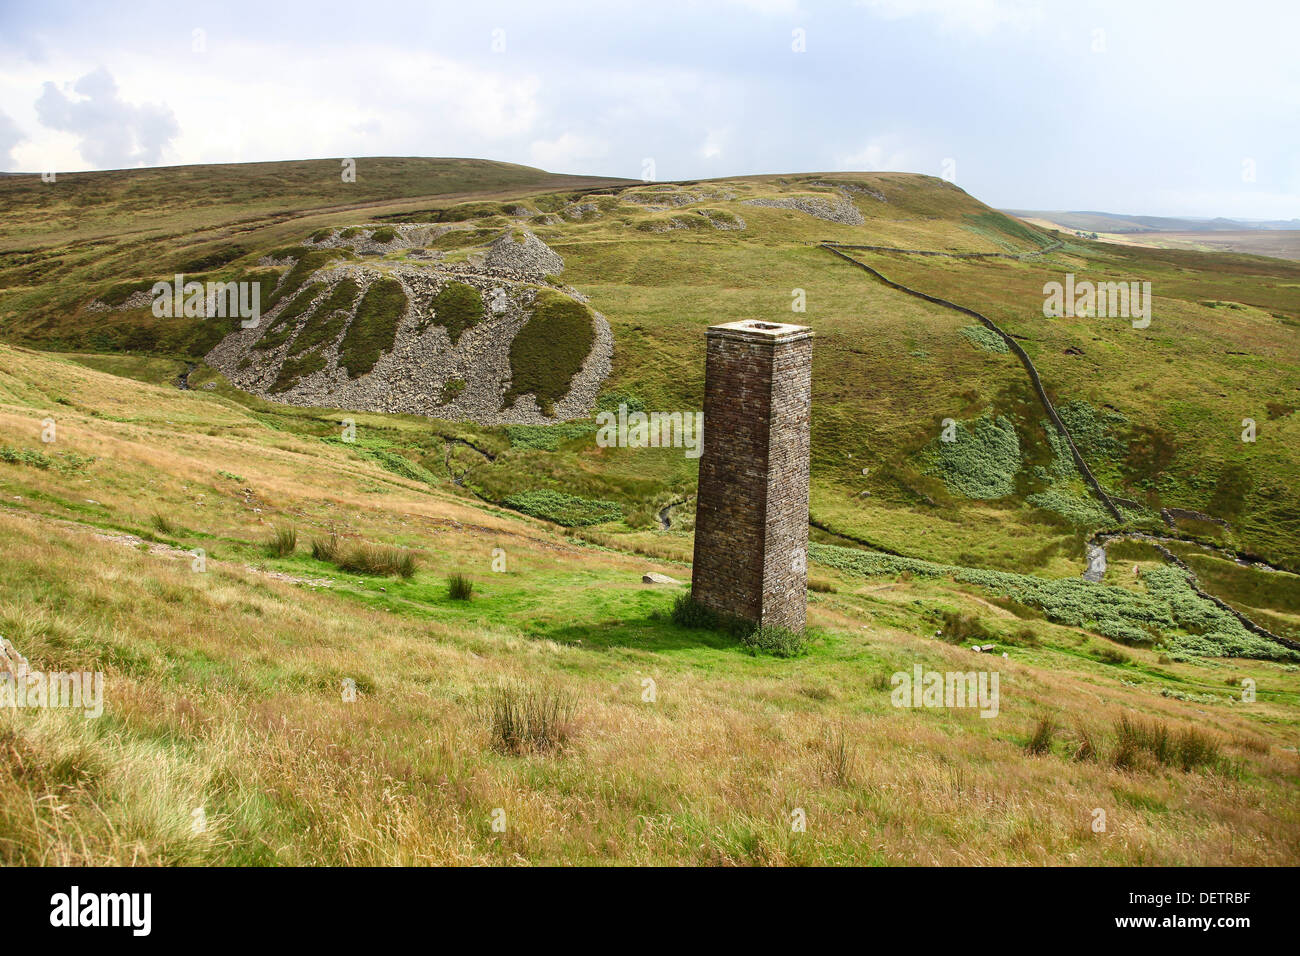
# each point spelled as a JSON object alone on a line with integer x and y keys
{"x": 374, "y": 329}
{"x": 985, "y": 338}
{"x": 451, "y": 390}
{"x": 550, "y": 349}
{"x": 215, "y": 259}
{"x": 996, "y": 227}
{"x": 298, "y": 367}
{"x": 384, "y": 234}
{"x": 1092, "y": 429}
{"x": 399, "y": 465}
{"x": 1080, "y": 511}
{"x": 327, "y": 319}
{"x": 283, "y": 327}
{"x": 547, "y": 437}
{"x": 568, "y": 510}
{"x": 308, "y": 261}
{"x": 66, "y": 463}
{"x": 982, "y": 461}
{"x": 1169, "y": 609}
{"x": 457, "y": 307}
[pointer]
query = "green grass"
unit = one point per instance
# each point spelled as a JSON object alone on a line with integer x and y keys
{"x": 374, "y": 328}
{"x": 1168, "y": 611}
{"x": 306, "y": 262}
{"x": 451, "y": 390}
{"x": 547, "y": 437}
{"x": 327, "y": 319}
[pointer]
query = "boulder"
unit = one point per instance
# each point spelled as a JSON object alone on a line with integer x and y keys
{"x": 654, "y": 577}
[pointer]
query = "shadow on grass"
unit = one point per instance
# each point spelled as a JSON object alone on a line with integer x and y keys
{"x": 649, "y": 633}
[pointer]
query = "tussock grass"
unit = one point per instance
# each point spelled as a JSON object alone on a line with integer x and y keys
{"x": 841, "y": 755}
{"x": 363, "y": 557}
{"x": 161, "y": 523}
{"x": 1184, "y": 749}
{"x": 283, "y": 541}
{"x": 530, "y": 718}
{"x": 382, "y": 560}
{"x": 1086, "y": 750}
{"x": 459, "y": 587}
{"x": 1040, "y": 741}
{"x": 327, "y": 549}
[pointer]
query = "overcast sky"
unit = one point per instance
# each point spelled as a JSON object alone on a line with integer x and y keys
{"x": 1163, "y": 108}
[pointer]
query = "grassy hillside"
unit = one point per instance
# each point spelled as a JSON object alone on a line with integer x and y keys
{"x": 224, "y": 685}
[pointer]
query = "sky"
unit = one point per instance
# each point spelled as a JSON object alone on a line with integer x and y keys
{"x": 1128, "y": 106}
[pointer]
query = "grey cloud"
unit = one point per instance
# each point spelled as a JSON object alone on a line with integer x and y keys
{"x": 113, "y": 132}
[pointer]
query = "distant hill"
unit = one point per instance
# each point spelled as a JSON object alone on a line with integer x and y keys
{"x": 1092, "y": 221}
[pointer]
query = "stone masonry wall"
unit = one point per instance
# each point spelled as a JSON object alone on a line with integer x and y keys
{"x": 751, "y": 528}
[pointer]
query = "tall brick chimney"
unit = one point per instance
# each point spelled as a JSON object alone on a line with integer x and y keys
{"x": 751, "y": 525}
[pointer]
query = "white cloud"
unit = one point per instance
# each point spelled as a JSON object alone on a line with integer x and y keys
{"x": 240, "y": 103}
{"x": 567, "y": 153}
{"x": 714, "y": 144}
{"x": 771, "y": 8}
{"x": 10, "y": 136}
{"x": 977, "y": 16}
{"x": 878, "y": 155}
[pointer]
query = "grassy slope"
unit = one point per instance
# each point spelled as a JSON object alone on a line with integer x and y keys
{"x": 222, "y": 688}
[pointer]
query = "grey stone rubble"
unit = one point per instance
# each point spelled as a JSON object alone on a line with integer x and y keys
{"x": 530, "y": 259}
{"x": 408, "y": 236}
{"x": 856, "y": 188}
{"x": 723, "y": 224}
{"x": 839, "y": 209}
{"x": 682, "y": 222}
{"x": 658, "y": 198}
{"x": 136, "y": 300}
{"x": 412, "y": 376}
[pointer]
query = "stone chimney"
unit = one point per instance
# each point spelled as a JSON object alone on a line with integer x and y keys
{"x": 751, "y": 525}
